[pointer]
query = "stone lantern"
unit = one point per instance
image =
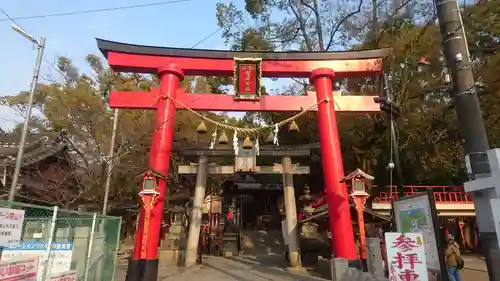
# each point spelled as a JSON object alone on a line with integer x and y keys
{"x": 309, "y": 229}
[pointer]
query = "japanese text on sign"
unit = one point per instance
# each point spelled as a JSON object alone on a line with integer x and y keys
{"x": 19, "y": 270}
{"x": 406, "y": 256}
{"x": 247, "y": 76}
{"x": 65, "y": 276}
{"x": 11, "y": 226}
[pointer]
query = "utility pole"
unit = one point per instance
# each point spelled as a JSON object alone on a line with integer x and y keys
{"x": 110, "y": 164}
{"x": 40, "y": 44}
{"x": 471, "y": 126}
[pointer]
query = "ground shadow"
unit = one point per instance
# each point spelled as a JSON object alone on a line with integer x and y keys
{"x": 275, "y": 266}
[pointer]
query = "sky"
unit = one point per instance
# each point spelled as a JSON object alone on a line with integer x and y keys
{"x": 176, "y": 25}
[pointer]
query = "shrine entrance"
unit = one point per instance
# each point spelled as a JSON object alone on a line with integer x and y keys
{"x": 171, "y": 64}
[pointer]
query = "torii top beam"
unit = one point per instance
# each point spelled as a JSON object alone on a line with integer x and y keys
{"x": 148, "y": 59}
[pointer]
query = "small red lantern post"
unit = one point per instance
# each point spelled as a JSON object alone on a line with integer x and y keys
{"x": 149, "y": 194}
{"x": 359, "y": 195}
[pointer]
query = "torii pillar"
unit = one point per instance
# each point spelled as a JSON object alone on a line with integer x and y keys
{"x": 144, "y": 261}
{"x": 333, "y": 168}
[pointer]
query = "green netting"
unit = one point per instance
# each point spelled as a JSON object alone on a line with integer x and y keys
{"x": 84, "y": 242}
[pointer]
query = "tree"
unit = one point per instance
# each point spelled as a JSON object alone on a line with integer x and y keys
{"x": 427, "y": 130}
{"x": 74, "y": 102}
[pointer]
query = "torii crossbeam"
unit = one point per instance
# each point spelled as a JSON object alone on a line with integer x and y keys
{"x": 171, "y": 64}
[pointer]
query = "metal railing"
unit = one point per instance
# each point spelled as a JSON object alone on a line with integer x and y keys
{"x": 83, "y": 243}
{"x": 442, "y": 194}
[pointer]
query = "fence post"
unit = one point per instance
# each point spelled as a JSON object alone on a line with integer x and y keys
{"x": 89, "y": 250}
{"x": 117, "y": 248}
{"x": 46, "y": 262}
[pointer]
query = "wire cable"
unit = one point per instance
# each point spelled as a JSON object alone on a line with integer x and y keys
{"x": 93, "y": 11}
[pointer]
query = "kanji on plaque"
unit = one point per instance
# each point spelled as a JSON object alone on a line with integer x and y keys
{"x": 406, "y": 256}
{"x": 247, "y": 78}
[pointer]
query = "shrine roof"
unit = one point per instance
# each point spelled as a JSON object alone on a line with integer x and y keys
{"x": 36, "y": 148}
{"x": 106, "y": 46}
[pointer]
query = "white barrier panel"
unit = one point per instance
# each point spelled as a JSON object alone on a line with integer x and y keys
{"x": 19, "y": 270}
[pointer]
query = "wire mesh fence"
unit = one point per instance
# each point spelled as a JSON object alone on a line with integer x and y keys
{"x": 82, "y": 244}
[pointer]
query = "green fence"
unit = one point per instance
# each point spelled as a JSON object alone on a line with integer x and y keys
{"x": 86, "y": 243}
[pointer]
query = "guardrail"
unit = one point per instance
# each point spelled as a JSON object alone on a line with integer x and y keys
{"x": 442, "y": 194}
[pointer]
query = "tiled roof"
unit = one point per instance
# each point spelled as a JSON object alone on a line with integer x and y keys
{"x": 35, "y": 151}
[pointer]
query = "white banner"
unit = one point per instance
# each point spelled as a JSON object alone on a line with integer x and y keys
{"x": 11, "y": 227}
{"x": 406, "y": 256}
{"x": 64, "y": 276}
{"x": 60, "y": 254}
{"x": 19, "y": 270}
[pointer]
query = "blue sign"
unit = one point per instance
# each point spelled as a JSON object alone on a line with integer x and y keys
{"x": 35, "y": 245}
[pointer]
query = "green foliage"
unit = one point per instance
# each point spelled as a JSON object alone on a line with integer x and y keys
{"x": 430, "y": 142}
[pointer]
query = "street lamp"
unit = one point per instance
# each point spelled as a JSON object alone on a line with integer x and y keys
{"x": 40, "y": 45}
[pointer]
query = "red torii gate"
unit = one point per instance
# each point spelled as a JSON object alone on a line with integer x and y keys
{"x": 171, "y": 64}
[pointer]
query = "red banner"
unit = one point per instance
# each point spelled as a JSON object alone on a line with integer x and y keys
{"x": 19, "y": 270}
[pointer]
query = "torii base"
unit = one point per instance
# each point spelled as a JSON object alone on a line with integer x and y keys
{"x": 142, "y": 270}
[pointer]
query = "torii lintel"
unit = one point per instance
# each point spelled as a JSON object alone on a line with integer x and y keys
{"x": 218, "y": 102}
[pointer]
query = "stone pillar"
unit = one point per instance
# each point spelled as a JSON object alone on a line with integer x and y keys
{"x": 374, "y": 257}
{"x": 291, "y": 212}
{"x": 197, "y": 212}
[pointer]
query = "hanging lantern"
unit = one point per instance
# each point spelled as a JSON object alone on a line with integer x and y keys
{"x": 270, "y": 138}
{"x": 293, "y": 127}
{"x": 223, "y": 138}
{"x": 202, "y": 128}
{"x": 247, "y": 143}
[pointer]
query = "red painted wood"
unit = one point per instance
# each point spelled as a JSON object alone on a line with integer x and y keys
{"x": 442, "y": 195}
{"x": 159, "y": 160}
{"x": 339, "y": 214}
{"x": 214, "y": 102}
{"x": 225, "y": 67}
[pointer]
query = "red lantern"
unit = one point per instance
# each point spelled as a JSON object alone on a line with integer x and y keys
{"x": 149, "y": 194}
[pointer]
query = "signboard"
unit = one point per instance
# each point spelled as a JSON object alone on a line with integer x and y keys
{"x": 406, "y": 256}
{"x": 11, "y": 226}
{"x": 414, "y": 214}
{"x": 60, "y": 254}
{"x": 64, "y": 276}
{"x": 19, "y": 270}
{"x": 247, "y": 76}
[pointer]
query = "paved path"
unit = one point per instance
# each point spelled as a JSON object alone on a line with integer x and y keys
{"x": 241, "y": 269}
{"x": 475, "y": 269}
{"x": 270, "y": 268}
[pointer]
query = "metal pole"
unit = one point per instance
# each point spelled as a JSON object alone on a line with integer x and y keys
{"x": 117, "y": 248}
{"x": 110, "y": 166}
{"x": 471, "y": 123}
{"x": 397, "y": 164}
{"x": 89, "y": 249}
{"x": 46, "y": 261}
{"x": 20, "y": 151}
{"x": 394, "y": 139}
{"x": 4, "y": 176}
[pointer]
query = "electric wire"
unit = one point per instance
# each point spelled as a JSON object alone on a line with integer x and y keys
{"x": 93, "y": 11}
